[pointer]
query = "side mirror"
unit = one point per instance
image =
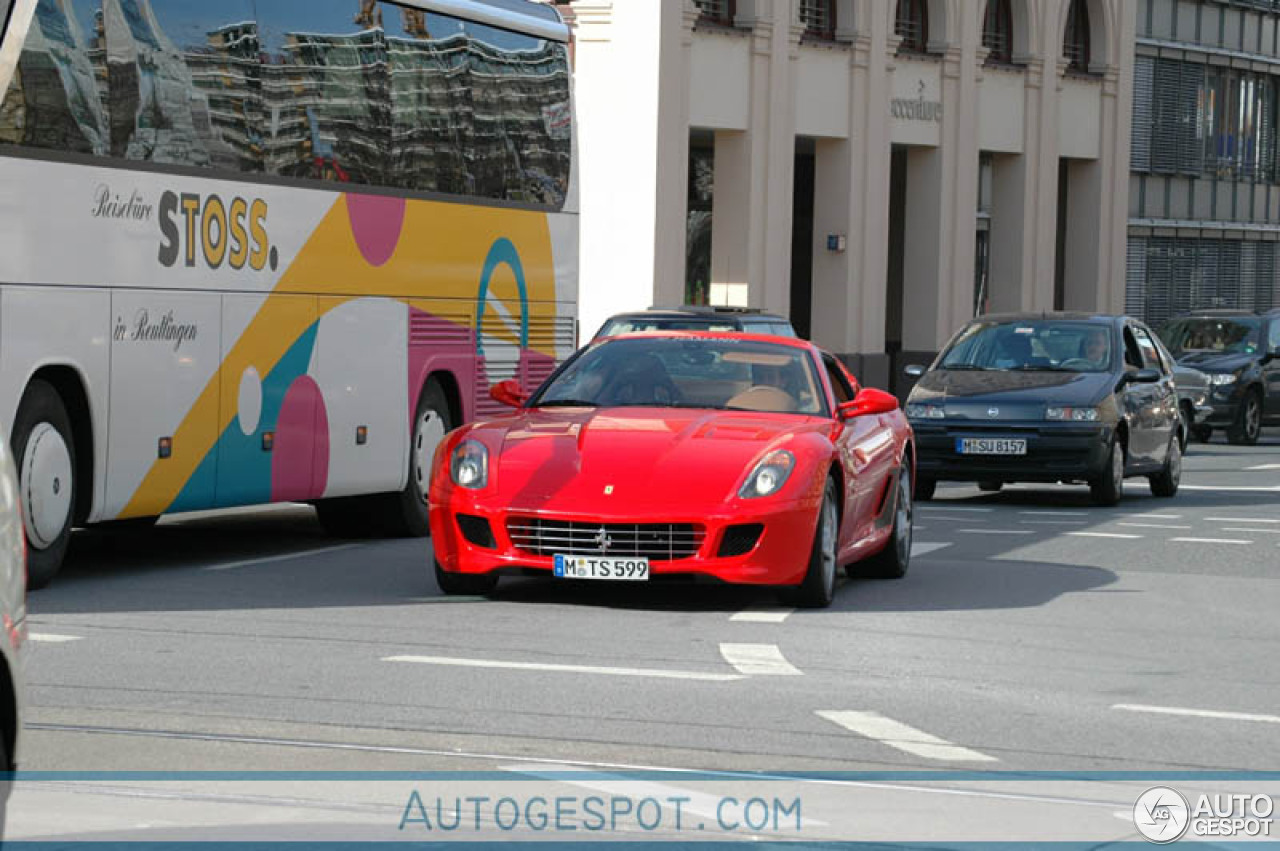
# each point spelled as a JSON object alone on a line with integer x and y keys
{"x": 914, "y": 370}
{"x": 1143, "y": 376}
{"x": 508, "y": 392}
{"x": 868, "y": 401}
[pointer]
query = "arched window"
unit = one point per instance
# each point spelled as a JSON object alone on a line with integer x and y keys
{"x": 912, "y": 25}
{"x": 1075, "y": 45}
{"x": 997, "y": 31}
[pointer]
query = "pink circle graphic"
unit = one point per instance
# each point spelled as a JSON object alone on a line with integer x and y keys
{"x": 376, "y": 223}
{"x": 300, "y": 457}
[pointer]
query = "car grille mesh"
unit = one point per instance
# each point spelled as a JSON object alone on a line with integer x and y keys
{"x": 660, "y": 541}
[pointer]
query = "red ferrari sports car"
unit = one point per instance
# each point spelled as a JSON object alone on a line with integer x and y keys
{"x": 746, "y": 458}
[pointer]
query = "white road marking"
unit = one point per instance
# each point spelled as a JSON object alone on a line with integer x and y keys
{"x": 1121, "y": 535}
{"x": 1231, "y": 489}
{"x": 996, "y": 531}
{"x": 1153, "y": 516}
{"x": 922, "y": 548}
{"x": 657, "y": 673}
{"x": 1264, "y": 467}
{"x": 253, "y": 562}
{"x": 1198, "y": 713}
{"x": 1253, "y": 531}
{"x": 1055, "y": 513}
{"x": 934, "y": 508}
{"x": 1152, "y": 526}
{"x": 1209, "y": 541}
{"x": 762, "y": 615}
{"x": 50, "y": 638}
{"x": 1240, "y": 520}
{"x": 895, "y": 734}
{"x": 758, "y": 660}
{"x": 1054, "y": 522}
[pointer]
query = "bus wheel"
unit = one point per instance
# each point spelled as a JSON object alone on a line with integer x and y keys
{"x": 407, "y": 516}
{"x": 45, "y": 454}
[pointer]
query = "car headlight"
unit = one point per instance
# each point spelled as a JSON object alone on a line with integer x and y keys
{"x": 926, "y": 412}
{"x": 1071, "y": 415}
{"x": 1220, "y": 378}
{"x": 769, "y": 475}
{"x": 469, "y": 465}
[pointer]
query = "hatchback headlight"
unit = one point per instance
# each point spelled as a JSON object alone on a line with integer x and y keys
{"x": 1221, "y": 378}
{"x": 469, "y": 465}
{"x": 769, "y": 475}
{"x": 1071, "y": 415}
{"x": 926, "y": 412}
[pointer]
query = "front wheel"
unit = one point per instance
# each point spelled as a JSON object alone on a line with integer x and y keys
{"x": 892, "y": 562}
{"x": 819, "y": 586}
{"x": 45, "y": 453}
{"x": 1248, "y": 425}
{"x": 1165, "y": 483}
{"x": 1108, "y": 488}
{"x": 469, "y": 584}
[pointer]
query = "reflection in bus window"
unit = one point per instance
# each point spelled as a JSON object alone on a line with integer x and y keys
{"x": 55, "y": 98}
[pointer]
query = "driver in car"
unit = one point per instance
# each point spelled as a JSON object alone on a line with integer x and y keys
{"x": 1096, "y": 349}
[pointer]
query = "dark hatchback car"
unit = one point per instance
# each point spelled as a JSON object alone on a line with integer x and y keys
{"x": 697, "y": 318}
{"x": 1241, "y": 353}
{"x": 1058, "y": 397}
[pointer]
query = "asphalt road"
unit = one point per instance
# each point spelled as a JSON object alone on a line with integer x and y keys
{"x": 1034, "y": 632}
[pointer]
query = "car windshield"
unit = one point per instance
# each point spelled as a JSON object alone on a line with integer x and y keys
{"x": 632, "y": 324}
{"x": 1236, "y": 335}
{"x": 1033, "y": 345}
{"x": 688, "y": 372}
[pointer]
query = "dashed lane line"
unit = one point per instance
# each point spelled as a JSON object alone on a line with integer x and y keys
{"x": 1152, "y": 526}
{"x": 996, "y": 531}
{"x": 1124, "y": 536}
{"x": 51, "y": 638}
{"x": 1055, "y": 513}
{"x": 1209, "y": 541}
{"x": 1263, "y": 467}
{"x": 758, "y": 660}
{"x": 1198, "y": 713}
{"x": 1252, "y": 531}
{"x": 895, "y": 734}
{"x": 254, "y": 562}
{"x": 923, "y": 548}
{"x": 771, "y": 615}
{"x": 1227, "y": 489}
{"x": 1152, "y": 516}
{"x": 654, "y": 673}
{"x": 1240, "y": 520}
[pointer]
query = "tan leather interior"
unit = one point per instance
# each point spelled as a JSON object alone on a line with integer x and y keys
{"x": 761, "y": 398}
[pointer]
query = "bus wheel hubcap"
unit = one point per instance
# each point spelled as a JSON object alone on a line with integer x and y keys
{"x": 427, "y": 437}
{"x": 46, "y": 485}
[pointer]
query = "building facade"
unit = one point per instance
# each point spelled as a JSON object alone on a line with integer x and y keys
{"x": 1204, "y": 195}
{"x": 876, "y": 170}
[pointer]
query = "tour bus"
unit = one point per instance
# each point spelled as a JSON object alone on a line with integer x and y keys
{"x": 257, "y": 251}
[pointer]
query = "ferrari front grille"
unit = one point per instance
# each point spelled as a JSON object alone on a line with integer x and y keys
{"x": 659, "y": 541}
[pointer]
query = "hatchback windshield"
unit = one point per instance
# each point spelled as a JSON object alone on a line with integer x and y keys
{"x": 684, "y": 372}
{"x": 1236, "y": 335}
{"x": 1032, "y": 345}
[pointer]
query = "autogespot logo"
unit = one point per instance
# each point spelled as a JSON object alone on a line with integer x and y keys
{"x": 1161, "y": 814}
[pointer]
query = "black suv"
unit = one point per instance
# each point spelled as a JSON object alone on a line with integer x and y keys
{"x": 1240, "y": 352}
{"x": 697, "y": 318}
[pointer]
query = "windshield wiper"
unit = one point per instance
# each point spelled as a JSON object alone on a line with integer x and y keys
{"x": 566, "y": 403}
{"x": 957, "y": 367}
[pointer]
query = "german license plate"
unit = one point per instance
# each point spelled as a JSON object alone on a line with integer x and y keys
{"x": 602, "y": 567}
{"x": 991, "y": 446}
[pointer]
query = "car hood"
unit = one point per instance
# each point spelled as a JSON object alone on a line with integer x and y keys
{"x": 616, "y": 460}
{"x": 1015, "y": 395}
{"x": 1215, "y": 361}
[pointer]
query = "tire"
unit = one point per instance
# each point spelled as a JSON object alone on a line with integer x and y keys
{"x": 990, "y": 487}
{"x": 1202, "y": 433}
{"x": 819, "y": 586}
{"x": 469, "y": 584}
{"x": 1186, "y": 417}
{"x": 1165, "y": 483}
{"x": 403, "y": 514}
{"x": 1248, "y": 425}
{"x": 925, "y": 488}
{"x": 45, "y": 453}
{"x": 1109, "y": 488}
{"x": 892, "y": 562}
